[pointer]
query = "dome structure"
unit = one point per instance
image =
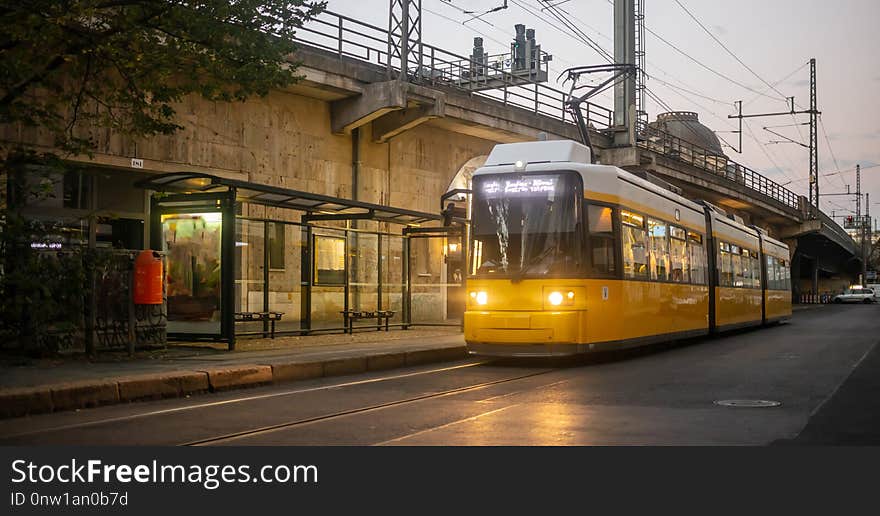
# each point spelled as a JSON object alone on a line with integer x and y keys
{"x": 686, "y": 125}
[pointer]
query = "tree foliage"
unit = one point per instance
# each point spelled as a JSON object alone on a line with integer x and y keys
{"x": 71, "y": 68}
{"x": 122, "y": 64}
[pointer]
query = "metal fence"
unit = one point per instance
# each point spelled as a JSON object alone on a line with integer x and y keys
{"x": 90, "y": 291}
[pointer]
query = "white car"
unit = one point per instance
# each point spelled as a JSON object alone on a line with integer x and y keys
{"x": 855, "y": 295}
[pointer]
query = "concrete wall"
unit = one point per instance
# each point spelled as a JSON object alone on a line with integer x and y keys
{"x": 284, "y": 139}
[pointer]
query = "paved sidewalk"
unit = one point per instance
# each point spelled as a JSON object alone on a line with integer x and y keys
{"x": 30, "y": 386}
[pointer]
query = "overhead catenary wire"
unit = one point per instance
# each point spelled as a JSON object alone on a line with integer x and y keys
{"x": 732, "y": 54}
{"x": 564, "y": 25}
{"x": 700, "y": 63}
{"x": 660, "y": 102}
{"x": 555, "y": 12}
{"x": 830, "y": 149}
{"x": 777, "y": 83}
{"x": 690, "y": 92}
{"x": 681, "y": 84}
{"x": 750, "y": 134}
{"x": 770, "y": 86}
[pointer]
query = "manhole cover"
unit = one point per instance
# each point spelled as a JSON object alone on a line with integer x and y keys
{"x": 748, "y": 403}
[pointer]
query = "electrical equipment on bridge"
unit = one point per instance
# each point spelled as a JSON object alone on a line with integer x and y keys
{"x": 525, "y": 63}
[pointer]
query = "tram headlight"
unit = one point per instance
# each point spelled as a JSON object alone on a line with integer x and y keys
{"x": 480, "y": 297}
{"x": 557, "y": 298}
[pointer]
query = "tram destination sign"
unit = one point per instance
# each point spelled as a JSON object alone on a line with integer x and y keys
{"x": 520, "y": 187}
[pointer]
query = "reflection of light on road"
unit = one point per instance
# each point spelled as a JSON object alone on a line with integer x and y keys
{"x": 482, "y": 427}
{"x": 549, "y": 424}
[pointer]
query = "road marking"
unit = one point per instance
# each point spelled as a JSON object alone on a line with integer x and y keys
{"x": 493, "y": 398}
{"x": 839, "y": 385}
{"x": 239, "y": 400}
{"x": 357, "y": 411}
{"x": 447, "y": 425}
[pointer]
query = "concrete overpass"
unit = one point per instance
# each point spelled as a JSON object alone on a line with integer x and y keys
{"x": 344, "y": 63}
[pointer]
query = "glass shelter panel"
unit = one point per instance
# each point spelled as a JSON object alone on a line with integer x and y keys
{"x": 391, "y": 269}
{"x": 285, "y": 274}
{"x": 429, "y": 276}
{"x": 192, "y": 243}
{"x": 363, "y": 270}
{"x": 250, "y": 258}
{"x": 328, "y": 289}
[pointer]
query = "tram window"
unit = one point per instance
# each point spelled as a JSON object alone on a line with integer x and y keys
{"x": 756, "y": 270}
{"x": 678, "y": 255}
{"x": 659, "y": 249}
{"x": 635, "y": 257}
{"x": 736, "y": 258}
{"x": 783, "y": 278}
{"x": 748, "y": 276}
{"x": 697, "y": 256}
{"x": 786, "y": 267}
{"x": 725, "y": 265}
{"x": 772, "y": 274}
{"x": 777, "y": 275}
{"x": 602, "y": 245}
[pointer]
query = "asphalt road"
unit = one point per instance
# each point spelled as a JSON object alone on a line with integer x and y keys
{"x": 660, "y": 396}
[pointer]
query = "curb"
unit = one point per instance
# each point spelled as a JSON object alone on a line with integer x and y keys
{"x": 22, "y": 401}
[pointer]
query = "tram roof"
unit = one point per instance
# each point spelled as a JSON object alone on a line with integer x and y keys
{"x": 316, "y": 205}
{"x": 546, "y": 151}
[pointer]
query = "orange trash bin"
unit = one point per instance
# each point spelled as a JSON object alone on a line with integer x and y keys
{"x": 148, "y": 278}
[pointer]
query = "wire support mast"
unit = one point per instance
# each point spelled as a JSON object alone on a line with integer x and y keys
{"x": 573, "y": 104}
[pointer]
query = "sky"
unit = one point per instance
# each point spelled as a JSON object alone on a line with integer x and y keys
{"x": 773, "y": 39}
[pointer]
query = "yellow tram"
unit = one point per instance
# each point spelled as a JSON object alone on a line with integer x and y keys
{"x": 569, "y": 257}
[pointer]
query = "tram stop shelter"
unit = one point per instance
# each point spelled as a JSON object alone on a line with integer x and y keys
{"x": 251, "y": 259}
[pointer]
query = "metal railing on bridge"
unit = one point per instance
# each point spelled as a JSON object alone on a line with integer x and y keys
{"x": 347, "y": 37}
{"x": 671, "y": 146}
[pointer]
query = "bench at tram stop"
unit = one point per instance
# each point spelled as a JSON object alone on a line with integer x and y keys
{"x": 350, "y": 316}
{"x": 259, "y": 316}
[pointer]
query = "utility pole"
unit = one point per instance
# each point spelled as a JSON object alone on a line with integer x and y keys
{"x": 641, "y": 61}
{"x": 860, "y": 222}
{"x": 813, "y": 146}
{"x": 868, "y": 242}
{"x": 814, "y": 142}
{"x": 404, "y": 37}
{"x": 624, "y": 54}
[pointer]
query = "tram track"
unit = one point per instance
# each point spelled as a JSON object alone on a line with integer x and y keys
{"x": 151, "y": 414}
{"x": 361, "y": 410}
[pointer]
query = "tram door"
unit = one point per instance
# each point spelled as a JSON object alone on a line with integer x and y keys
{"x": 435, "y": 276}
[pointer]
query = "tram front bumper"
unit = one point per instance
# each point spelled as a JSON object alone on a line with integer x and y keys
{"x": 524, "y": 328}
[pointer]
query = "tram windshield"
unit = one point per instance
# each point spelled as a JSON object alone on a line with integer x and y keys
{"x": 526, "y": 225}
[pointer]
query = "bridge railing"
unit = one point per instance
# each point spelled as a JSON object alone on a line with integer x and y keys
{"x": 663, "y": 143}
{"x": 347, "y": 37}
